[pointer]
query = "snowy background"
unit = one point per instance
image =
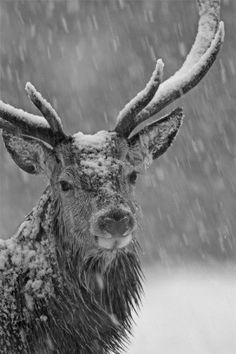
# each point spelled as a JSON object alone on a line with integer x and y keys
{"x": 89, "y": 58}
{"x": 191, "y": 310}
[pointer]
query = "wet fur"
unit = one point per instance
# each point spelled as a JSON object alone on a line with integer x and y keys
{"x": 99, "y": 291}
{"x": 90, "y": 308}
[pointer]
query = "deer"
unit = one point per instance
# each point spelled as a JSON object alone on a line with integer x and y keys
{"x": 70, "y": 277}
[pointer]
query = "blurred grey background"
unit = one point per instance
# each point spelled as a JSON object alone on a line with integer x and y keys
{"x": 88, "y": 58}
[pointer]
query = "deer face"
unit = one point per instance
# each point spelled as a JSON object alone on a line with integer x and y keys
{"x": 93, "y": 176}
{"x": 95, "y": 188}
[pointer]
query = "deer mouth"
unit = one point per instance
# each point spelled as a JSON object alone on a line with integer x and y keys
{"x": 114, "y": 242}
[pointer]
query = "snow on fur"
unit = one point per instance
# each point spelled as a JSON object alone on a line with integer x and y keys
{"x": 24, "y": 254}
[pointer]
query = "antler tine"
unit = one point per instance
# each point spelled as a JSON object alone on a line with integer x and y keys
{"x": 17, "y": 121}
{"x": 199, "y": 60}
{"x": 127, "y": 116}
{"x": 47, "y": 111}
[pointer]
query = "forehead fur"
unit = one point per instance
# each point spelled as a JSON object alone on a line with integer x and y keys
{"x": 102, "y": 145}
{"x": 97, "y": 156}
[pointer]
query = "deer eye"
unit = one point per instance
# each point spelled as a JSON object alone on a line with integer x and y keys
{"x": 66, "y": 186}
{"x": 132, "y": 177}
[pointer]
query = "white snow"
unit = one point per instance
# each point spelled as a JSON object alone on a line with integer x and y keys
{"x": 92, "y": 140}
{"x": 19, "y": 114}
{"x": 22, "y": 252}
{"x": 34, "y": 94}
{"x": 207, "y": 27}
{"x": 196, "y": 55}
{"x": 188, "y": 311}
{"x": 100, "y": 166}
{"x": 154, "y": 82}
{"x": 186, "y": 73}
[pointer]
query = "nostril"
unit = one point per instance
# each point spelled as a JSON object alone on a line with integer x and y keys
{"x": 123, "y": 223}
{"x": 115, "y": 225}
{"x": 125, "y": 218}
{"x": 117, "y": 215}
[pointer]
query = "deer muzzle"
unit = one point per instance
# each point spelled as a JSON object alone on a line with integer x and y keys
{"x": 114, "y": 229}
{"x": 117, "y": 226}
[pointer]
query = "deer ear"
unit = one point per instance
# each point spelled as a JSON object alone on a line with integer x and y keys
{"x": 153, "y": 140}
{"x": 31, "y": 155}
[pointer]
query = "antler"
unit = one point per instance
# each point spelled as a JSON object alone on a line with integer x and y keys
{"x": 199, "y": 60}
{"x": 130, "y": 111}
{"x": 17, "y": 121}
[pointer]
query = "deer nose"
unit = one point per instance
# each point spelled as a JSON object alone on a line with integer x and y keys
{"x": 118, "y": 223}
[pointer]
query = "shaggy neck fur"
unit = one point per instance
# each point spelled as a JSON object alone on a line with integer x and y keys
{"x": 70, "y": 303}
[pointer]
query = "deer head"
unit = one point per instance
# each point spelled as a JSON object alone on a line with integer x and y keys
{"x": 92, "y": 177}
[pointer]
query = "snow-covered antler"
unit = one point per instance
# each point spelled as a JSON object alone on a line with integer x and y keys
{"x": 16, "y": 120}
{"x": 130, "y": 111}
{"x": 47, "y": 111}
{"x": 202, "y": 55}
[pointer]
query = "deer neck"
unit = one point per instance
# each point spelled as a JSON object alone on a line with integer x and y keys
{"x": 90, "y": 302}
{"x": 98, "y": 292}
{"x": 38, "y": 221}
